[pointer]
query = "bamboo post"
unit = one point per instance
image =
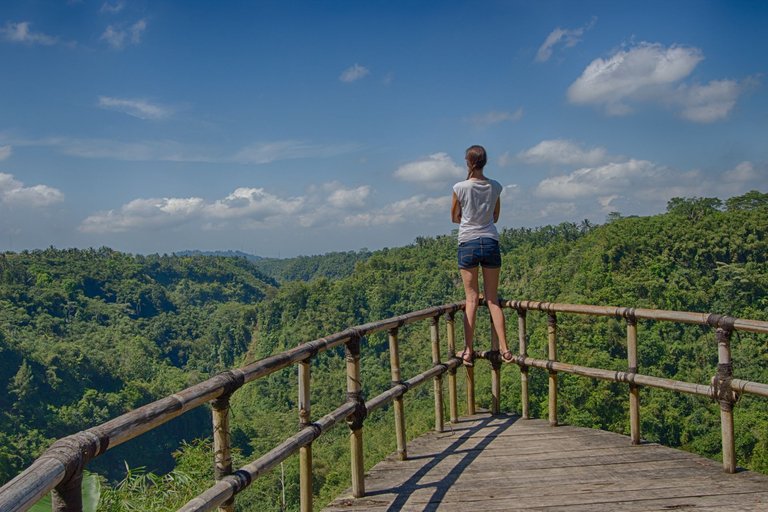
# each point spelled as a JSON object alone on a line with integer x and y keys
{"x": 394, "y": 365}
{"x": 71, "y": 455}
{"x": 305, "y": 452}
{"x": 438, "y": 381}
{"x": 495, "y": 370}
{"x": 355, "y": 420}
{"x": 222, "y": 452}
{"x": 67, "y": 496}
{"x": 725, "y": 397}
{"x": 521, "y": 335}
{"x": 470, "y": 386}
{"x": 453, "y": 404}
{"x": 552, "y": 349}
{"x": 470, "y": 390}
{"x": 634, "y": 390}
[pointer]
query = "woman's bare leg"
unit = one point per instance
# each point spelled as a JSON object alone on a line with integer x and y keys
{"x": 491, "y": 292}
{"x": 471, "y": 291}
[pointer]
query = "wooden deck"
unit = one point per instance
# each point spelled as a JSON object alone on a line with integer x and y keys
{"x": 505, "y": 463}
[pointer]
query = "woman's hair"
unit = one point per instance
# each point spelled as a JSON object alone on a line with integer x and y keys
{"x": 476, "y": 159}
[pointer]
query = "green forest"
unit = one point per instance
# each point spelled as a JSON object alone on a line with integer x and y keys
{"x": 86, "y": 335}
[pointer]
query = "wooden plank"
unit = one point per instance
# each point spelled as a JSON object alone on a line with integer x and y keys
{"x": 578, "y": 495}
{"x": 503, "y": 463}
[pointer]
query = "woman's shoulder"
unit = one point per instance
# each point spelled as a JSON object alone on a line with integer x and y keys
{"x": 460, "y": 185}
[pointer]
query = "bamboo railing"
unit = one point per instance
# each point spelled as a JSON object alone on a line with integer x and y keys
{"x": 60, "y": 469}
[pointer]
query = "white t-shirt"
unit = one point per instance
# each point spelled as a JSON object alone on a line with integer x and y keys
{"x": 478, "y": 200}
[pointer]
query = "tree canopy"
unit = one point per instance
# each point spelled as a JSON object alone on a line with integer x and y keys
{"x": 86, "y": 335}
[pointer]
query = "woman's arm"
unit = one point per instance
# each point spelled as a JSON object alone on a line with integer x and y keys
{"x": 496, "y": 210}
{"x": 455, "y": 209}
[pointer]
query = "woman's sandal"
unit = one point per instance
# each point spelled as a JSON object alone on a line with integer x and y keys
{"x": 463, "y": 356}
{"x": 507, "y": 356}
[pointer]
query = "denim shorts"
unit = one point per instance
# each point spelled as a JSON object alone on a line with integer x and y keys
{"x": 480, "y": 251}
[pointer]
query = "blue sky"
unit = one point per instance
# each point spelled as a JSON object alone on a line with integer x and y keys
{"x": 286, "y": 128}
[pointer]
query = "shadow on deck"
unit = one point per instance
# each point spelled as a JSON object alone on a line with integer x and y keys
{"x": 504, "y": 463}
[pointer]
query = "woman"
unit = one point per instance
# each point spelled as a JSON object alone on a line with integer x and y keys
{"x": 475, "y": 207}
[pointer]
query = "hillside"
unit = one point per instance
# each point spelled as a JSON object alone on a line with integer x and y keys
{"x": 333, "y": 265}
{"x": 702, "y": 255}
{"x": 88, "y": 334}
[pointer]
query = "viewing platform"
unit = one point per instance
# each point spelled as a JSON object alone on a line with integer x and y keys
{"x": 503, "y": 462}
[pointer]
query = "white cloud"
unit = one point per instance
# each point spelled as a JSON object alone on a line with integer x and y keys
{"x": 412, "y": 209}
{"x": 143, "y": 151}
{"x": 137, "y": 30}
{"x": 266, "y": 152}
{"x": 567, "y": 37}
{"x": 599, "y": 181}
{"x": 253, "y": 203}
{"x": 354, "y": 73}
{"x": 496, "y": 117}
{"x": 607, "y": 202}
{"x": 643, "y": 72}
{"x": 563, "y": 210}
{"x": 118, "y": 37}
{"x": 13, "y": 192}
{"x": 643, "y": 187}
{"x": 329, "y": 204}
{"x": 708, "y": 103}
{"x": 560, "y": 151}
{"x": 5, "y": 152}
{"x": 653, "y": 73}
{"x": 112, "y": 7}
{"x": 20, "y": 33}
{"x": 511, "y": 191}
{"x": 114, "y": 37}
{"x": 747, "y": 172}
{"x": 143, "y": 214}
{"x": 342, "y": 197}
{"x": 134, "y": 107}
{"x": 244, "y": 208}
{"x": 629, "y": 186}
{"x": 173, "y": 151}
{"x": 250, "y": 206}
{"x": 436, "y": 168}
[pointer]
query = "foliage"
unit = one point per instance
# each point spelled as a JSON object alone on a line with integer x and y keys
{"x": 87, "y": 335}
{"x": 333, "y": 265}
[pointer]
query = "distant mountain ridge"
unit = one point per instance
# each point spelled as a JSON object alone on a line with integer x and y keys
{"x": 227, "y": 254}
{"x": 333, "y": 265}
